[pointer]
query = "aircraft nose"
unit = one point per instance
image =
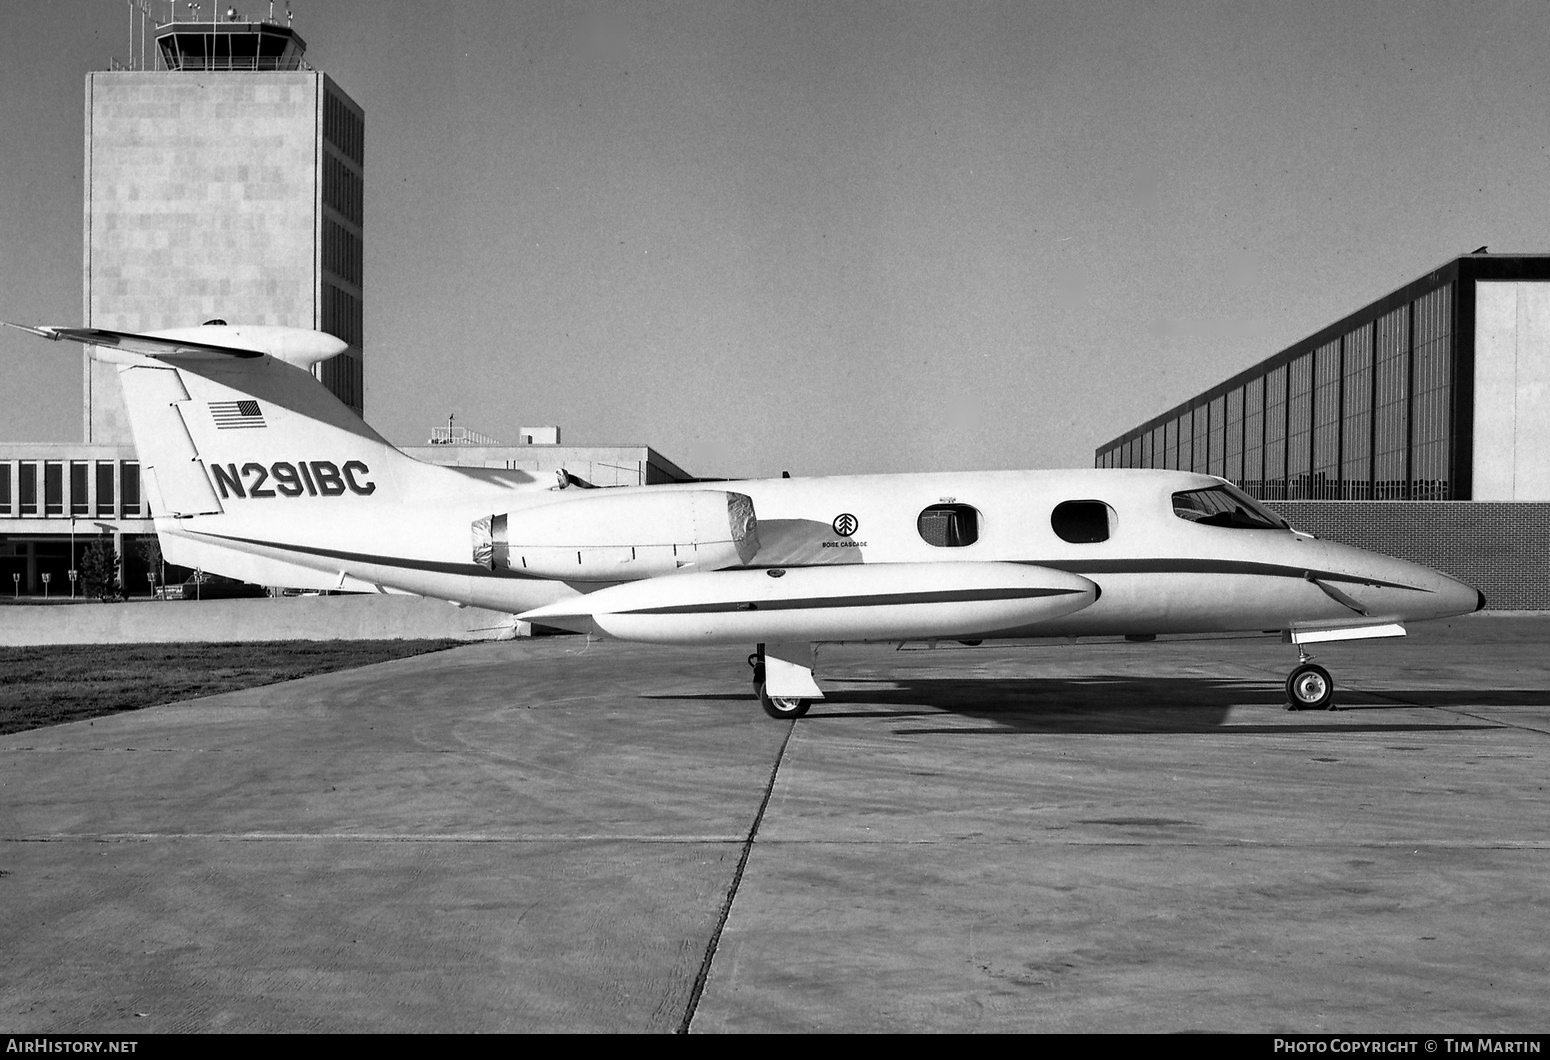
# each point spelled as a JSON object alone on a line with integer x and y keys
{"x": 1398, "y": 589}
{"x": 1457, "y": 598}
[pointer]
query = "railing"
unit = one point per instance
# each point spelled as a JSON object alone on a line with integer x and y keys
{"x": 459, "y": 436}
{"x": 201, "y": 64}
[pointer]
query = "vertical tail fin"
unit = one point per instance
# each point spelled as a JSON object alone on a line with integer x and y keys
{"x": 253, "y": 469}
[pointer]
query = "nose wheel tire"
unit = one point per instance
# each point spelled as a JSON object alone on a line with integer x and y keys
{"x": 1309, "y": 688}
{"x": 782, "y": 706}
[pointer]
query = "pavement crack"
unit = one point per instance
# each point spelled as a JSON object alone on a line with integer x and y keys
{"x": 737, "y": 879}
{"x": 1461, "y": 712}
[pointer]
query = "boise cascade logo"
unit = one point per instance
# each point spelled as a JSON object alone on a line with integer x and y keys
{"x": 845, "y": 524}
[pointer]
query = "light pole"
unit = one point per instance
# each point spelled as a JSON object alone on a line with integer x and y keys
{"x": 72, "y": 557}
{"x": 72, "y": 584}
{"x": 46, "y": 577}
{"x": 150, "y": 576}
{"x": 16, "y": 583}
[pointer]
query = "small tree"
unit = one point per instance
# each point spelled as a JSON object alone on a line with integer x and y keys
{"x": 150, "y": 553}
{"x": 99, "y": 570}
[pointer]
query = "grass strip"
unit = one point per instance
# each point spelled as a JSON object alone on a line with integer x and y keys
{"x": 50, "y": 685}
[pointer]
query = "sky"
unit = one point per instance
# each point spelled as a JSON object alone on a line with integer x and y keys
{"x": 842, "y": 237}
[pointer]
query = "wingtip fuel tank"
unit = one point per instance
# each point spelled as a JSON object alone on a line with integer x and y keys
{"x": 865, "y": 602}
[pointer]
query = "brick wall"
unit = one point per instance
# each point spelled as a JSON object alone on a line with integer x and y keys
{"x": 1501, "y": 548}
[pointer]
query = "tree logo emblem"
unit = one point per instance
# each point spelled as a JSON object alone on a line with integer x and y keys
{"x": 845, "y": 524}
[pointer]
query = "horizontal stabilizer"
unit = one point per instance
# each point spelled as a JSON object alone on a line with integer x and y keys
{"x": 298, "y": 346}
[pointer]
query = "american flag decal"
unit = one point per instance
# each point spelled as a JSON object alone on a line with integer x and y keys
{"x": 234, "y": 415}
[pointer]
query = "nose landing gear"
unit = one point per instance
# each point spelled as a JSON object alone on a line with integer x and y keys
{"x": 1309, "y": 686}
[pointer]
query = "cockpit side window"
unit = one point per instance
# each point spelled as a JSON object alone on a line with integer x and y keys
{"x": 949, "y": 525}
{"x": 1081, "y": 522}
{"x": 1225, "y": 506}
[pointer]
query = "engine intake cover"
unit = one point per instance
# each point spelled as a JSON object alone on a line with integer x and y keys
{"x": 620, "y": 537}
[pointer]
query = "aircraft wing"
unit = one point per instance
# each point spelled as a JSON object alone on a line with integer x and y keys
{"x": 148, "y": 345}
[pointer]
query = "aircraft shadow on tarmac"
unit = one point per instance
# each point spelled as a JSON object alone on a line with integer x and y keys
{"x": 1125, "y": 705}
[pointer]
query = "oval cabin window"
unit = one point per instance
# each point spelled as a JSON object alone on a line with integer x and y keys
{"x": 1081, "y": 522}
{"x": 949, "y": 525}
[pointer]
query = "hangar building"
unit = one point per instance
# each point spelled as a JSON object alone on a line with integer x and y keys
{"x": 1417, "y": 426}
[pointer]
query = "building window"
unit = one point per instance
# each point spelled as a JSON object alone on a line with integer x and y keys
{"x": 1201, "y": 433}
{"x": 1299, "y": 425}
{"x": 53, "y": 488}
{"x": 5, "y": 489}
{"x": 1232, "y": 443}
{"x": 1325, "y": 483}
{"x": 1081, "y": 522}
{"x": 105, "y": 489}
{"x": 1185, "y": 460}
{"x": 1215, "y": 452}
{"x": 27, "y": 486}
{"x": 1274, "y": 487}
{"x": 1432, "y": 378}
{"x": 949, "y": 525}
{"x": 1254, "y": 437}
{"x": 341, "y": 315}
{"x": 129, "y": 481}
{"x": 342, "y": 252}
{"x": 1356, "y": 417}
{"x": 1392, "y": 406}
{"x": 80, "y": 503}
{"x": 342, "y": 188}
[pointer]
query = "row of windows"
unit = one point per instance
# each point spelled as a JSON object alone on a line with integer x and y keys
{"x": 94, "y": 486}
{"x": 343, "y": 378}
{"x": 1086, "y": 522}
{"x": 957, "y": 525}
{"x": 342, "y": 252}
{"x": 341, "y": 314}
{"x": 344, "y": 129}
{"x": 1366, "y": 416}
{"x": 343, "y": 189}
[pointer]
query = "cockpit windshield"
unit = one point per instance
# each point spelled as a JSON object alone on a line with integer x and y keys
{"x": 1225, "y": 505}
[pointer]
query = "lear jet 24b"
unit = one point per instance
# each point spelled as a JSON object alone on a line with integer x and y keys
{"x": 255, "y": 471}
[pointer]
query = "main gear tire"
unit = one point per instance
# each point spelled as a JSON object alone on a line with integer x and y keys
{"x": 787, "y": 707}
{"x": 1309, "y": 687}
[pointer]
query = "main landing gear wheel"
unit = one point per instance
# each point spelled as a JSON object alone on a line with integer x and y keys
{"x": 1310, "y": 688}
{"x": 782, "y": 706}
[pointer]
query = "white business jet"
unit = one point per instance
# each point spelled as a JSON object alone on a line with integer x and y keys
{"x": 255, "y": 471}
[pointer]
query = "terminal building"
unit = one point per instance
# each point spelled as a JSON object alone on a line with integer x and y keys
{"x": 224, "y": 181}
{"x": 1418, "y": 426}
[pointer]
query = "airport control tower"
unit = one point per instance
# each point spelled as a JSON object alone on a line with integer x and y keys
{"x": 225, "y": 183}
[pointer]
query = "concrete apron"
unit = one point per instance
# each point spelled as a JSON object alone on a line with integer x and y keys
{"x": 545, "y": 835}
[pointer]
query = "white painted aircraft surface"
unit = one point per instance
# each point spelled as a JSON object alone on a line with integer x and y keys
{"x": 255, "y": 471}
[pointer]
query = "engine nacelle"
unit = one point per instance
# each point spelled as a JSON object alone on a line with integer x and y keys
{"x": 618, "y": 537}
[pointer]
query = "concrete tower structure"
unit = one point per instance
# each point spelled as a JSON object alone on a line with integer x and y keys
{"x": 226, "y": 186}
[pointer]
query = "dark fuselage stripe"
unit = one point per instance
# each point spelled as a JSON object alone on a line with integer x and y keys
{"x": 470, "y": 569}
{"x": 1083, "y": 567}
{"x": 941, "y": 596}
{"x": 1208, "y": 566}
